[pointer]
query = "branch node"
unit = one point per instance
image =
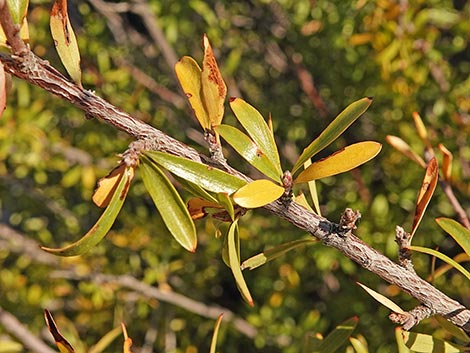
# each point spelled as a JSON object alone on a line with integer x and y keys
{"x": 131, "y": 156}
{"x": 287, "y": 183}
{"x": 403, "y": 239}
{"x": 215, "y": 148}
{"x": 411, "y": 318}
{"x": 348, "y": 221}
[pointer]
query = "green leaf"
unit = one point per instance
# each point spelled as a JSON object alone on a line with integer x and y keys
{"x": 234, "y": 261}
{"x": 65, "y": 41}
{"x": 104, "y": 223}
{"x": 420, "y": 342}
{"x": 105, "y": 341}
{"x": 209, "y": 178}
{"x": 3, "y": 90}
{"x": 334, "y": 130}
{"x": 402, "y": 348}
{"x": 18, "y": 10}
{"x": 460, "y": 234}
{"x": 312, "y": 186}
{"x": 257, "y": 193}
{"x": 358, "y": 345}
{"x": 61, "y": 343}
{"x": 341, "y": 161}
{"x": 10, "y": 347}
{"x": 382, "y": 299}
{"x": 442, "y": 257}
{"x": 454, "y": 330}
{"x": 274, "y": 253}
{"x": 169, "y": 204}
{"x": 248, "y": 150}
{"x": 188, "y": 73}
{"x": 195, "y": 189}
{"x": 338, "y": 336}
{"x": 216, "y": 334}
{"x": 224, "y": 199}
{"x": 258, "y": 130}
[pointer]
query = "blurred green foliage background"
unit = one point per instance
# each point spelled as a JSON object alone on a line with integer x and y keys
{"x": 301, "y": 60}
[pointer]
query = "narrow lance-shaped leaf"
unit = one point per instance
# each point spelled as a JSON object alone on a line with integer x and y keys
{"x": 169, "y": 204}
{"x": 234, "y": 261}
{"x": 442, "y": 257}
{"x": 65, "y": 40}
{"x": 105, "y": 341}
{"x": 274, "y": 253}
{"x": 209, "y": 178}
{"x": 312, "y": 187}
{"x": 350, "y": 114}
{"x": 302, "y": 201}
{"x": 460, "y": 234}
{"x": 195, "y": 189}
{"x": 358, "y": 345}
{"x": 423, "y": 343}
{"x": 425, "y": 193}
{"x": 107, "y": 185}
{"x": 3, "y": 90}
{"x": 18, "y": 10}
{"x": 127, "y": 340}
{"x": 248, "y": 150}
{"x": 401, "y": 146}
{"x": 188, "y": 73}
{"x": 422, "y": 132}
{"x": 454, "y": 330}
{"x": 382, "y": 299}
{"x": 213, "y": 86}
{"x": 446, "y": 163}
{"x": 61, "y": 343}
{"x": 341, "y": 161}
{"x": 338, "y": 336}
{"x": 104, "y": 223}
{"x": 216, "y": 334}
{"x": 257, "y": 193}
{"x": 259, "y": 131}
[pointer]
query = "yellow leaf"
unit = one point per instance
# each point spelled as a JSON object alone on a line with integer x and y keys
{"x": 447, "y": 162}
{"x": 421, "y": 130}
{"x": 197, "y": 207}
{"x": 213, "y": 87}
{"x": 65, "y": 41}
{"x": 3, "y": 89}
{"x": 341, "y": 161}
{"x": 107, "y": 185}
{"x": 257, "y": 193}
{"x": 127, "y": 340}
{"x": 189, "y": 75}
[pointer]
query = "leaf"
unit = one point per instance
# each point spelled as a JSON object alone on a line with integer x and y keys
{"x": 442, "y": 257}
{"x": 104, "y": 223}
{"x": 302, "y": 201}
{"x": 195, "y": 189}
{"x": 358, "y": 345}
{"x": 224, "y": 199}
{"x": 257, "y": 193}
{"x": 405, "y": 149}
{"x": 169, "y": 204}
{"x": 127, "y": 340}
{"x": 341, "y": 161}
{"x": 248, "y": 150}
{"x": 61, "y": 343}
{"x": 350, "y": 114}
{"x": 65, "y": 41}
{"x": 3, "y": 90}
{"x": 18, "y": 10}
{"x": 454, "y": 330}
{"x": 338, "y": 336}
{"x": 213, "y": 86}
{"x": 234, "y": 261}
{"x": 460, "y": 234}
{"x": 197, "y": 207}
{"x": 312, "y": 186}
{"x": 402, "y": 348}
{"x": 446, "y": 163}
{"x": 107, "y": 185}
{"x": 273, "y": 253}
{"x": 10, "y": 347}
{"x": 209, "y": 178}
{"x": 105, "y": 341}
{"x": 425, "y": 193}
{"x": 382, "y": 299}
{"x": 420, "y": 342}
{"x": 257, "y": 128}
{"x": 188, "y": 73}
{"x": 215, "y": 334}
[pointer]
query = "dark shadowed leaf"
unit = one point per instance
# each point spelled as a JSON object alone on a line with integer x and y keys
{"x": 460, "y": 234}
{"x": 454, "y": 330}
{"x": 338, "y": 337}
{"x": 105, "y": 341}
{"x": 63, "y": 345}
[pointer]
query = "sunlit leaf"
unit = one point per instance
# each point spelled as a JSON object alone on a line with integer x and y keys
{"x": 127, "y": 340}
{"x": 338, "y": 337}
{"x": 425, "y": 193}
{"x": 402, "y": 348}
{"x": 197, "y": 207}
{"x": 421, "y": 130}
{"x": 234, "y": 261}
{"x": 216, "y": 334}
{"x": 107, "y": 185}
{"x": 258, "y": 130}
{"x": 459, "y": 258}
{"x": 63, "y": 345}
{"x": 189, "y": 75}
{"x": 274, "y": 253}
{"x": 382, "y": 299}
{"x": 248, "y": 150}
{"x": 104, "y": 223}
{"x": 405, "y": 149}
{"x": 257, "y": 193}
{"x": 312, "y": 186}
{"x": 446, "y": 163}
{"x": 302, "y": 201}
{"x": 213, "y": 86}
{"x": 341, "y": 161}
{"x": 350, "y": 114}
{"x": 200, "y": 174}
{"x": 105, "y": 341}
{"x": 358, "y": 345}
{"x": 65, "y": 41}
{"x": 460, "y": 234}
{"x": 10, "y": 347}
{"x": 3, "y": 90}
{"x": 420, "y": 342}
{"x": 18, "y": 9}
{"x": 195, "y": 189}
{"x": 442, "y": 257}
{"x": 169, "y": 204}
{"x": 454, "y": 330}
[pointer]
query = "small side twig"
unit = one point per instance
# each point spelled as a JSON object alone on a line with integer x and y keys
{"x": 411, "y": 318}
{"x": 403, "y": 240}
